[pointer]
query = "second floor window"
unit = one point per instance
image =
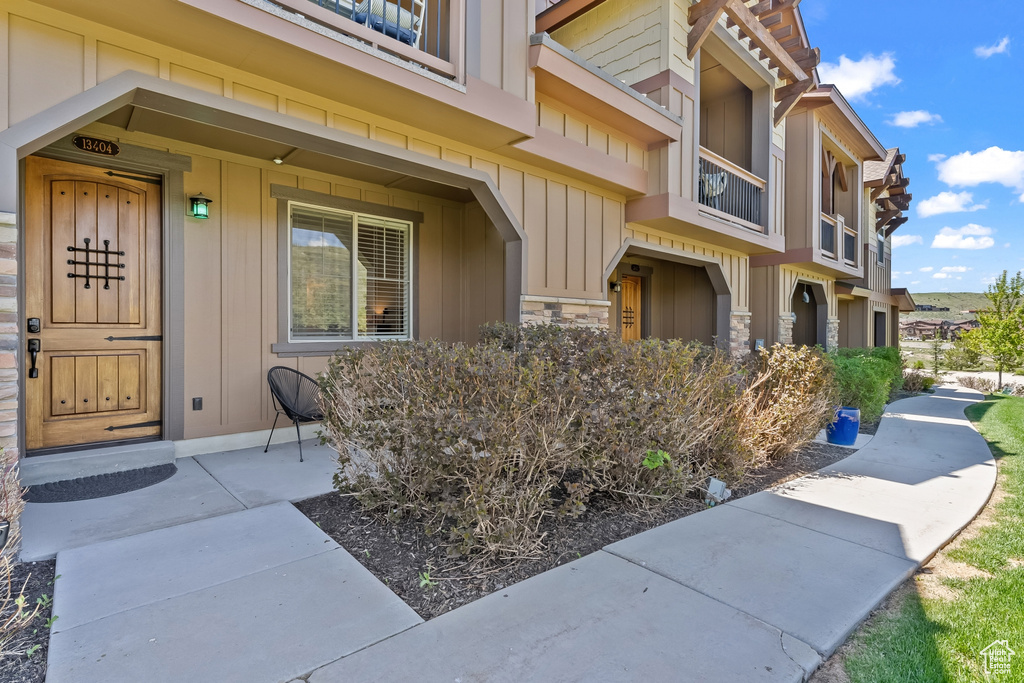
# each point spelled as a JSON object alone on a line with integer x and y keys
{"x": 881, "y": 249}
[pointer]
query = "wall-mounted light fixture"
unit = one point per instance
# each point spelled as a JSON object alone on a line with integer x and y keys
{"x": 200, "y": 205}
{"x": 807, "y": 297}
{"x": 615, "y": 287}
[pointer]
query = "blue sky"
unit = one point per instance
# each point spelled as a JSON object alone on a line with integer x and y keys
{"x": 944, "y": 82}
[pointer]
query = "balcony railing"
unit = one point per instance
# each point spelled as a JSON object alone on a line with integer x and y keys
{"x": 849, "y": 242}
{"x": 828, "y": 234}
{"x": 416, "y": 30}
{"x": 725, "y": 187}
{"x": 834, "y": 228}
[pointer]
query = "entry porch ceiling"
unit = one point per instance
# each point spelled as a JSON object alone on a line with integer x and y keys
{"x": 138, "y": 119}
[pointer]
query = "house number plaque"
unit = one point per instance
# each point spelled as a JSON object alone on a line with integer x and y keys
{"x": 96, "y": 146}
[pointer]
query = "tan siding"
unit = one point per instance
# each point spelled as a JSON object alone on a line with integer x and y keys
{"x": 623, "y": 37}
{"x": 51, "y": 62}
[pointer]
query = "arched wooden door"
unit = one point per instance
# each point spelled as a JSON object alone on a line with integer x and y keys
{"x": 92, "y": 283}
{"x": 632, "y": 308}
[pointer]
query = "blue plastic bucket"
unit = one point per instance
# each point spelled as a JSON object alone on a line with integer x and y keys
{"x": 844, "y": 429}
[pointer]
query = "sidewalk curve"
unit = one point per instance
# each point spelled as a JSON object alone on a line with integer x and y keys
{"x": 760, "y": 589}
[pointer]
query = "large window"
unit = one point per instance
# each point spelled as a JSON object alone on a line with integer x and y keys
{"x": 350, "y": 275}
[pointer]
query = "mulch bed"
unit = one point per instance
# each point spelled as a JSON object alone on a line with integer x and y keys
{"x": 22, "y": 668}
{"x": 397, "y": 553}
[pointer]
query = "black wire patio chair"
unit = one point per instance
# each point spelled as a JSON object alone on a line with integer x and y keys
{"x": 296, "y": 396}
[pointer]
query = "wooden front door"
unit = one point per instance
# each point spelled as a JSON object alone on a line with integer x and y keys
{"x": 92, "y": 280}
{"x": 632, "y": 307}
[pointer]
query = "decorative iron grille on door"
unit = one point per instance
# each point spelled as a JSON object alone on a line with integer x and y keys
{"x": 105, "y": 264}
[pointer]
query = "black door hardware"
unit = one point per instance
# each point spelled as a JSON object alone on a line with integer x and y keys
{"x": 34, "y": 347}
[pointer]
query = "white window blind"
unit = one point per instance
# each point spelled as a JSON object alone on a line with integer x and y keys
{"x": 343, "y": 262}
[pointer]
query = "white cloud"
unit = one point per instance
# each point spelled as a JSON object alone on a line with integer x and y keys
{"x": 908, "y": 272}
{"x": 947, "y": 202}
{"x": 955, "y": 269}
{"x": 936, "y": 158}
{"x": 904, "y": 240}
{"x": 913, "y": 119}
{"x": 916, "y": 282}
{"x": 986, "y": 51}
{"x": 855, "y": 79}
{"x": 1006, "y": 246}
{"x": 971, "y": 236}
{"x": 927, "y": 269}
{"x": 940, "y": 276}
{"x": 992, "y": 165}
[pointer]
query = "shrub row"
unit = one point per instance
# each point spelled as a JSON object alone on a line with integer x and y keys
{"x": 987, "y": 386}
{"x": 483, "y": 443}
{"x": 867, "y": 378}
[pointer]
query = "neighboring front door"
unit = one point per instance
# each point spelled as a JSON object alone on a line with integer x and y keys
{"x": 880, "y": 332}
{"x": 92, "y": 305}
{"x": 632, "y": 297}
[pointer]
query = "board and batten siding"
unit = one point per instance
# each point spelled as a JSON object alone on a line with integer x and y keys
{"x": 231, "y": 277}
{"x": 74, "y": 55}
{"x": 771, "y": 292}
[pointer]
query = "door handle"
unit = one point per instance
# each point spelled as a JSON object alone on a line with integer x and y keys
{"x": 34, "y": 348}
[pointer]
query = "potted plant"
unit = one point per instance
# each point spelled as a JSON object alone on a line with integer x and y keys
{"x": 843, "y": 429}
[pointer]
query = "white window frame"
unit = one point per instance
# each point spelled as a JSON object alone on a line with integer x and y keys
{"x": 354, "y": 336}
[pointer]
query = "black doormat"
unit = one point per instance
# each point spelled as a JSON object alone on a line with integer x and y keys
{"x": 100, "y": 485}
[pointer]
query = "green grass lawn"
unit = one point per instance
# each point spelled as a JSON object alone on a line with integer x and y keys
{"x": 939, "y": 640}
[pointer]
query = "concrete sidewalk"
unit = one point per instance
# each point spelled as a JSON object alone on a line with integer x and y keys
{"x": 760, "y": 589}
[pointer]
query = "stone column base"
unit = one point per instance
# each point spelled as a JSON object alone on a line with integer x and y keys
{"x": 785, "y": 334}
{"x": 832, "y": 334}
{"x": 564, "y": 311}
{"x": 739, "y": 333}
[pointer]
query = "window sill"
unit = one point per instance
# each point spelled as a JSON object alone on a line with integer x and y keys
{"x": 321, "y": 348}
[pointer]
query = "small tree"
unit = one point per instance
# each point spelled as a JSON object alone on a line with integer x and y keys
{"x": 1001, "y": 334}
{"x": 936, "y": 355}
{"x": 965, "y": 352}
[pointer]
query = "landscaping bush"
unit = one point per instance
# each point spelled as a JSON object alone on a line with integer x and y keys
{"x": 482, "y": 443}
{"x": 790, "y": 397}
{"x": 985, "y": 386}
{"x": 866, "y": 378}
{"x": 917, "y": 382}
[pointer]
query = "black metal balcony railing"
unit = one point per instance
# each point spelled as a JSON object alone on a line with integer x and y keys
{"x": 730, "y": 189}
{"x": 418, "y": 23}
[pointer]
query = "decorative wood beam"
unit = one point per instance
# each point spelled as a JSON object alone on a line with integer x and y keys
{"x": 783, "y": 32}
{"x": 883, "y": 218}
{"x": 877, "y": 192}
{"x": 786, "y": 104}
{"x": 809, "y": 60}
{"x": 761, "y": 37}
{"x": 702, "y": 9}
{"x": 791, "y": 44}
{"x": 894, "y": 224}
{"x": 703, "y": 17}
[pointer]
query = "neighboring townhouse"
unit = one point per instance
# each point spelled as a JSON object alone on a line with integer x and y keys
{"x": 869, "y": 307}
{"x": 732, "y": 73}
{"x": 193, "y": 193}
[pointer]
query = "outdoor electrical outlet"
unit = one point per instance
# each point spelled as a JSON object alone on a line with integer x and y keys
{"x": 197, "y": 403}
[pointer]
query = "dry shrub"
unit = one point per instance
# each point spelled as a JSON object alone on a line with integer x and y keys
{"x": 11, "y": 502}
{"x": 985, "y": 386}
{"x": 790, "y": 397}
{"x": 483, "y": 443}
{"x": 917, "y": 382}
{"x": 14, "y": 613}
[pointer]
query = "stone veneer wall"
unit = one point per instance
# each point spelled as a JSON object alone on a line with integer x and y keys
{"x": 786, "y": 329}
{"x": 564, "y": 311}
{"x": 832, "y": 334}
{"x": 739, "y": 333}
{"x": 9, "y": 343}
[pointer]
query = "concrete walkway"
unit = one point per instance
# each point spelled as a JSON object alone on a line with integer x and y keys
{"x": 760, "y": 589}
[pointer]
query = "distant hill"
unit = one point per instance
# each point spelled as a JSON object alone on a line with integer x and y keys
{"x": 955, "y": 301}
